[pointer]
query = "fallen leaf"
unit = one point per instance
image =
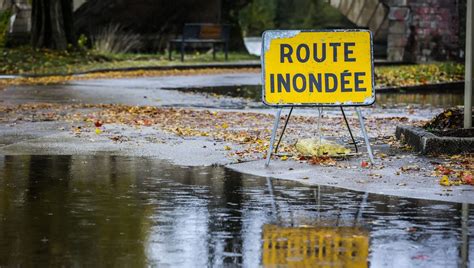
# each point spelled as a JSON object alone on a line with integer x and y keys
{"x": 467, "y": 179}
{"x": 410, "y": 168}
{"x": 445, "y": 181}
{"x": 98, "y": 123}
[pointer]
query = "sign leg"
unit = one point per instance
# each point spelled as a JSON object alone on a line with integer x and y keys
{"x": 349, "y": 128}
{"x": 284, "y": 128}
{"x": 272, "y": 139}
{"x": 364, "y": 133}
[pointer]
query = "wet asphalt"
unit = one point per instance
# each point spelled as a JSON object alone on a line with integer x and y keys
{"x": 35, "y": 138}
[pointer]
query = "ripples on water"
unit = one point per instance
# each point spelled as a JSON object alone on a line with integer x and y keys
{"x": 118, "y": 211}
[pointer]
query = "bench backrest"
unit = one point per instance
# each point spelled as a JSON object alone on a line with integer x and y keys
{"x": 206, "y": 31}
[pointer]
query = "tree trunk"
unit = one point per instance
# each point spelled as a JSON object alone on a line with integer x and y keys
{"x": 52, "y": 24}
{"x": 230, "y": 10}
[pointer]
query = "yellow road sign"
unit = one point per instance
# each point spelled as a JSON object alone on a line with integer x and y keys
{"x": 318, "y": 68}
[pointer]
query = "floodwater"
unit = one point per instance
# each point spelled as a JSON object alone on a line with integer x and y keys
{"x": 134, "y": 212}
{"x": 440, "y": 98}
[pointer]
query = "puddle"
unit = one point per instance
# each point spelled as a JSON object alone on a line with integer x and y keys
{"x": 123, "y": 211}
{"x": 441, "y": 98}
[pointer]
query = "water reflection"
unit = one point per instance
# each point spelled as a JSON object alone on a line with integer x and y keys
{"x": 439, "y": 98}
{"x": 118, "y": 211}
{"x": 315, "y": 246}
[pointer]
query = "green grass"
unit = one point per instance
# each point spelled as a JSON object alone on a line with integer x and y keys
{"x": 25, "y": 60}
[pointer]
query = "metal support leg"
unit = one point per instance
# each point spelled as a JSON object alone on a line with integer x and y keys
{"x": 272, "y": 139}
{"x": 170, "y": 47}
{"x": 182, "y": 51}
{"x": 283, "y": 131}
{"x": 349, "y": 128}
{"x": 213, "y": 51}
{"x": 364, "y": 133}
{"x": 360, "y": 210}
{"x": 226, "y": 48}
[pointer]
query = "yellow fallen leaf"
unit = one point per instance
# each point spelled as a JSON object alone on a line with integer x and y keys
{"x": 98, "y": 131}
{"x": 225, "y": 126}
{"x": 284, "y": 158}
{"x": 227, "y": 148}
{"x": 445, "y": 181}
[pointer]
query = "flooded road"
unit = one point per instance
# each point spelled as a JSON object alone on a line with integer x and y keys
{"x": 124, "y": 211}
{"x": 419, "y": 98}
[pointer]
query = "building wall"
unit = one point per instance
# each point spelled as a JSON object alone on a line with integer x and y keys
{"x": 422, "y": 30}
{"x": 413, "y": 30}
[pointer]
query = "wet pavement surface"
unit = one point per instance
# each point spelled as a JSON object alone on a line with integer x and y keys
{"x": 221, "y": 91}
{"x": 67, "y": 200}
{"x": 126, "y": 211}
{"x": 137, "y": 91}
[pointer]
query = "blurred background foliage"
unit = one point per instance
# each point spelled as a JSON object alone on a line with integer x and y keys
{"x": 260, "y": 15}
{"x": 4, "y": 19}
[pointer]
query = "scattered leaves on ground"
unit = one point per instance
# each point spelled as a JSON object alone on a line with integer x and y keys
{"x": 248, "y": 131}
{"x": 456, "y": 170}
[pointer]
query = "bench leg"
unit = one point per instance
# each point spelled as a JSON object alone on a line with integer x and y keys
{"x": 170, "y": 47}
{"x": 182, "y": 51}
{"x": 226, "y": 48}
{"x": 213, "y": 51}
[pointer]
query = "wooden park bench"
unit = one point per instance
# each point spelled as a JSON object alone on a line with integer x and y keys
{"x": 202, "y": 33}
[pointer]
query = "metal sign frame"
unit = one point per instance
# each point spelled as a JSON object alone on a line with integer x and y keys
{"x": 289, "y": 33}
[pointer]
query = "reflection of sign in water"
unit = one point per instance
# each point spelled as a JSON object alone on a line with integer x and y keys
{"x": 317, "y": 68}
{"x": 315, "y": 246}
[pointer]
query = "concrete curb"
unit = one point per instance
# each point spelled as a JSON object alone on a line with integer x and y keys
{"x": 428, "y": 143}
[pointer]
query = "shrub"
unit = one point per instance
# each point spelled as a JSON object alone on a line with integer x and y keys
{"x": 114, "y": 39}
{"x": 4, "y": 21}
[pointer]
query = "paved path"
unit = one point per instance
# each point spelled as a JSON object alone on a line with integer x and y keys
{"x": 50, "y": 137}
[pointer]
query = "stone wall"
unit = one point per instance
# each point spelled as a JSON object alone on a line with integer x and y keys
{"x": 422, "y": 30}
{"x": 411, "y": 30}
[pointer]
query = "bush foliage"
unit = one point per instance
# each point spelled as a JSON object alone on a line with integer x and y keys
{"x": 4, "y": 21}
{"x": 261, "y": 15}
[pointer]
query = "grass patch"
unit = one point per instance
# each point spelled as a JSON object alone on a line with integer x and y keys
{"x": 27, "y": 61}
{"x": 420, "y": 74}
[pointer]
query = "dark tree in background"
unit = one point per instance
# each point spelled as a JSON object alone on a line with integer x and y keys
{"x": 262, "y": 15}
{"x": 158, "y": 20}
{"x": 52, "y": 24}
{"x": 230, "y": 15}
